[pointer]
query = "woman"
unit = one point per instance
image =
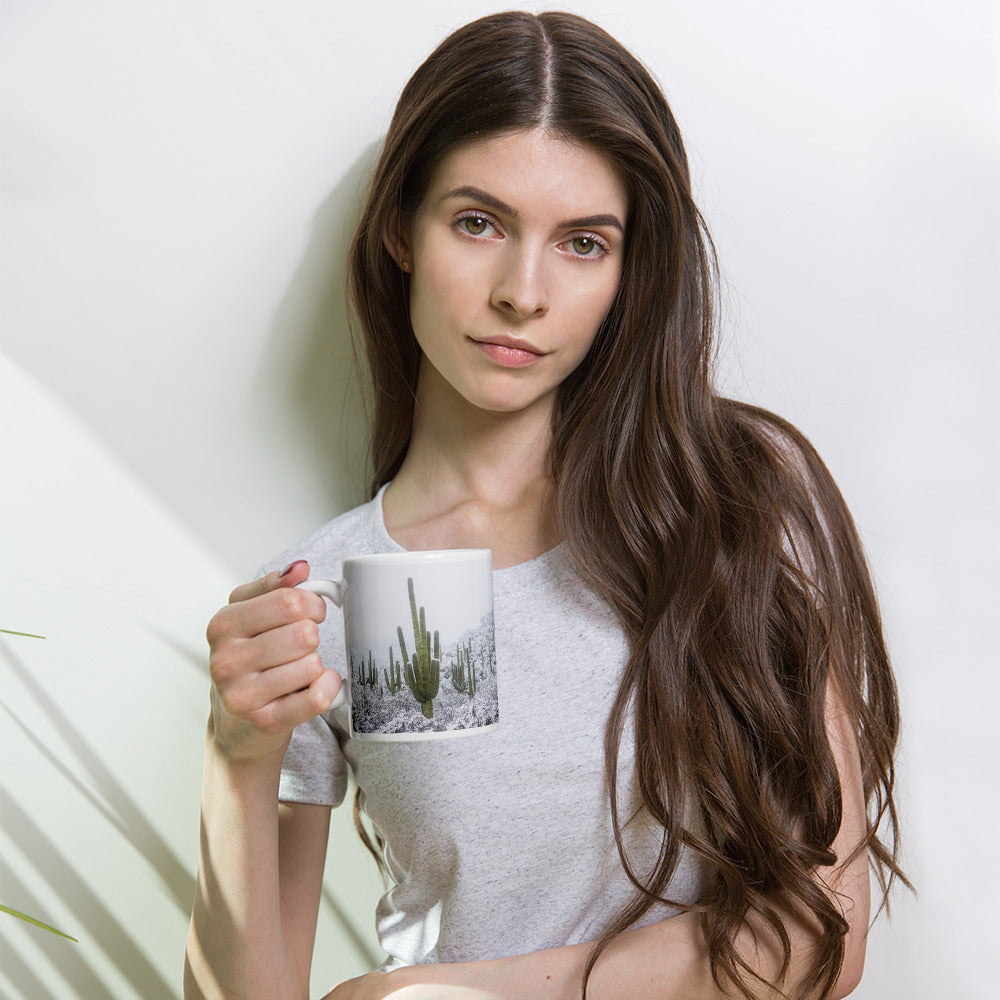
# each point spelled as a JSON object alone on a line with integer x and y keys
{"x": 535, "y": 289}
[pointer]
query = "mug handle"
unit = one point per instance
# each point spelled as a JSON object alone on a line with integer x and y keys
{"x": 332, "y": 590}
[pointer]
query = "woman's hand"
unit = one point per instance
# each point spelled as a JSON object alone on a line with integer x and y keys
{"x": 372, "y": 986}
{"x": 267, "y": 676}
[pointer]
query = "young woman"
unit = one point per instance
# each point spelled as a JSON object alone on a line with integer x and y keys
{"x": 535, "y": 289}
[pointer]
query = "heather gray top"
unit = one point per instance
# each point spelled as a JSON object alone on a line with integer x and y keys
{"x": 500, "y": 843}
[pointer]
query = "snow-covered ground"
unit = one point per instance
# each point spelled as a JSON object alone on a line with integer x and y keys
{"x": 374, "y": 709}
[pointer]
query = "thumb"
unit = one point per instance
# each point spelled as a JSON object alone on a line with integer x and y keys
{"x": 291, "y": 576}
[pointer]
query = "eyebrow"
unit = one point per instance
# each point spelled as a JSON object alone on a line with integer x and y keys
{"x": 492, "y": 202}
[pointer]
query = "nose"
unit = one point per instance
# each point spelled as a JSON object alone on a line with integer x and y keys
{"x": 521, "y": 288}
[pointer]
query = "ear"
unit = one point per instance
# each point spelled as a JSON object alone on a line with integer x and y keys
{"x": 395, "y": 242}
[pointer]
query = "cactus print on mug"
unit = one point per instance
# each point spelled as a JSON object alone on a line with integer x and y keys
{"x": 423, "y": 681}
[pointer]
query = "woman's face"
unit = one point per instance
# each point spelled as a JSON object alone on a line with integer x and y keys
{"x": 515, "y": 256}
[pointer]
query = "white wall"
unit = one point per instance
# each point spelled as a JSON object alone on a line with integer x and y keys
{"x": 178, "y": 402}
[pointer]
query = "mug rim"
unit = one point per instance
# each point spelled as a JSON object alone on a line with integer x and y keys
{"x": 420, "y": 555}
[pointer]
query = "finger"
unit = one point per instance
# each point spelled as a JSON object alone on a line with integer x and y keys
{"x": 291, "y": 576}
{"x": 255, "y": 616}
{"x": 277, "y": 646}
{"x": 288, "y": 678}
{"x": 293, "y": 709}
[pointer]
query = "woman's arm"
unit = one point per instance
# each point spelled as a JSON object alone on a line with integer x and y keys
{"x": 303, "y": 835}
{"x": 260, "y": 868}
{"x": 667, "y": 960}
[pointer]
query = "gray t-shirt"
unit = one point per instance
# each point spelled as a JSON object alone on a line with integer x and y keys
{"x": 500, "y": 843}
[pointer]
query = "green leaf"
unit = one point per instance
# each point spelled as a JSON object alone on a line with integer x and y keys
{"x": 27, "y": 635}
{"x": 32, "y": 920}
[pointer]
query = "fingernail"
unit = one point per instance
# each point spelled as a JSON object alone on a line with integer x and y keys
{"x": 290, "y": 567}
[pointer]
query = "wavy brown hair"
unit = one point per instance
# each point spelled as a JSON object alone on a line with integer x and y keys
{"x": 711, "y": 527}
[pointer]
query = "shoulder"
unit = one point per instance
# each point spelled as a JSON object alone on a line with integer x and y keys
{"x": 351, "y": 533}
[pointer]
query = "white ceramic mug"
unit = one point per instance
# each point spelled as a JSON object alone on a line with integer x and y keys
{"x": 418, "y": 629}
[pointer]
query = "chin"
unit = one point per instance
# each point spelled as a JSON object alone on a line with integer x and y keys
{"x": 511, "y": 404}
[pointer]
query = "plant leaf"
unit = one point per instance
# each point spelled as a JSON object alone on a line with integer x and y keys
{"x": 32, "y": 920}
{"x": 27, "y": 635}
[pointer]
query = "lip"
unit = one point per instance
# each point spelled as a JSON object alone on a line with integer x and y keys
{"x": 505, "y": 340}
{"x": 510, "y": 352}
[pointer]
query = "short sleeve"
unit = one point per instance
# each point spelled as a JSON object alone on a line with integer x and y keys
{"x": 314, "y": 769}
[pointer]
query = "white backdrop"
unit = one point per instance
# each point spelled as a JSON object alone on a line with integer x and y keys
{"x": 178, "y": 402}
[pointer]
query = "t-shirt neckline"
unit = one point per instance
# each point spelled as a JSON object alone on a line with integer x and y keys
{"x": 384, "y": 542}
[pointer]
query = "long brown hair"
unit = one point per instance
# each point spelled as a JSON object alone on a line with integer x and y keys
{"x": 711, "y": 527}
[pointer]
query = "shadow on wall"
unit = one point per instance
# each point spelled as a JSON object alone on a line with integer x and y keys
{"x": 50, "y": 865}
{"x": 109, "y": 940}
{"x": 109, "y": 797}
{"x": 108, "y": 933}
{"x": 310, "y": 360}
{"x": 103, "y": 724}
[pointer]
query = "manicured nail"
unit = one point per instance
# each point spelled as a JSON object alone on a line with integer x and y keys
{"x": 290, "y": 567}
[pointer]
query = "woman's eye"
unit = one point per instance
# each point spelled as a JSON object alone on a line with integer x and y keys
{"x": 587, "y": 246}
{"x": 474, "y": 225}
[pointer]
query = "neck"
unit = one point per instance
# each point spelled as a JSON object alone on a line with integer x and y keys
{"x": 475, "y": 479}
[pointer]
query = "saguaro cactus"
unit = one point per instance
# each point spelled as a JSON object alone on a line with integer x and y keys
{"x": 369, "y": 673}
{"x": 422, "y": 671}
{"x": 471, "y": 668}
{"x": 463, "y": 673}
{"x": 458, "y": 673}
{"x": 393, "y": 680}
